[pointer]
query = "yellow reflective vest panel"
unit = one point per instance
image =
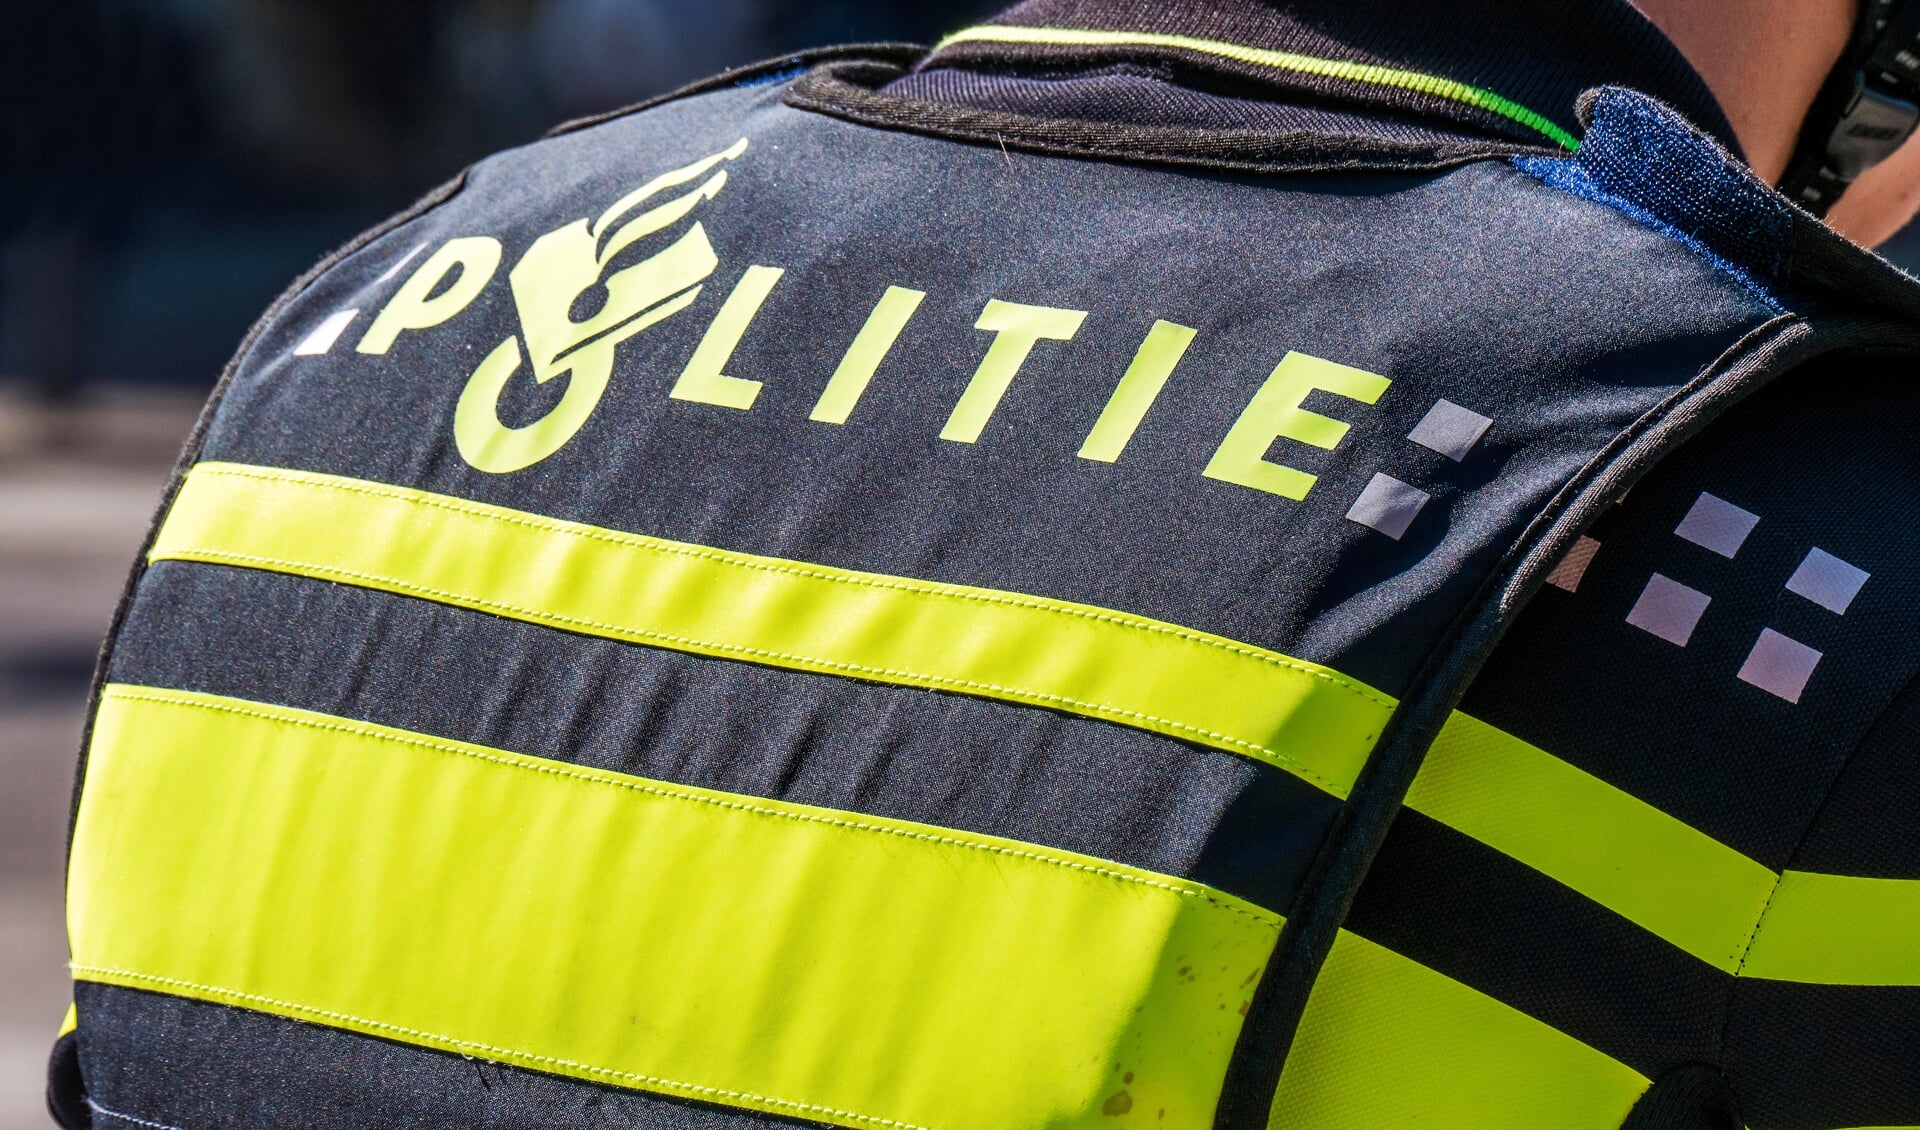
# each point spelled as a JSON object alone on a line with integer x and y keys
{"x": 731, "y": 616}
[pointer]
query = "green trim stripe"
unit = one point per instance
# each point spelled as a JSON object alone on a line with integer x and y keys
{"x": 1279, "y": 60}
{"x": 1298, "y": 716}
{"x": 807, "y": 962}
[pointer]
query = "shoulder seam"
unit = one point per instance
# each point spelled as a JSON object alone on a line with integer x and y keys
{"x": 1553, "y": 172}
{"x": 753, "y": 74}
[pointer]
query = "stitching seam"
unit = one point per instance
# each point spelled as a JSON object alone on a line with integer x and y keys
{"x": 926, "y": 588}
{"x": 98, "y": 1109}
{"x": 887, "y": 674}
{"x": 555, "y": 769}
{"x": 1753, "y": 934}
{"x": 508, "y": 1054}
{"x": 1367, "y": 73}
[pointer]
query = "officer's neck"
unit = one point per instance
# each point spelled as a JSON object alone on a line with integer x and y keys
{"x": 1764, "y": 60}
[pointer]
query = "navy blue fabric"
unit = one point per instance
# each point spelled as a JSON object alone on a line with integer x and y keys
{"x": 1564, "y": 322}
{"x": 1399, "y": 274}
{"x": 1869, "y": 822}
{"x": 1693, "y": 1097}
{"x": 958, "y": 762}
{"x": 1642, "y": 159}
{"x": 159, "y": 1061}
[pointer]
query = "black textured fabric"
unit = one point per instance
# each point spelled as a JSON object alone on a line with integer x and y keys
{"x": 185, "y": 1065}
{"x": 1693, "y": 1097}
{"x": 1813, "y": 1057}
{"x": 1142, "y": 95}
{"x": 1869, "y": 824}
{"x": 1457, "y": 906}
{"x": 1542, "y": 56}
{"x": 66, "y": 1090}
{"x": 1825, "y": 459}
{"x": 973, "y": 764}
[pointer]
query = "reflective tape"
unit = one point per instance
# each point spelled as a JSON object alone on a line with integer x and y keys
{"x": 1607, "y": 845}
{"x": 1306, "y": 719}
{"x": 1839, "y": 930}
{"x": 1386, "y": 1041}
{"x": 790, "y": 959}
{"x": 1644, "y": 865}
{"x": 1662, "y": 874}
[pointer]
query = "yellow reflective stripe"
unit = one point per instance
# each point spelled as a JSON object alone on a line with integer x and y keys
{"x": 1371, "y": 74}
{"x": 1386, "y": 1041}
{"x": 1662, "y": 874}
{"x": 1839, "y": 930}
{"x": 791, "y": 959}
{"x": 1130, "y": 670}
{"x": 70, "y": 1022}
{"x": 1644, "y": 865}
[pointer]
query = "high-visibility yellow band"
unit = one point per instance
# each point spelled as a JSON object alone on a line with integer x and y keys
{"x": 1662, "y": 874}
{"x": 1368, "y": 73}
{"x": 1839, "y": 930}
{"x": 1644, "y": 865}
{"x": 70, "y": 1022}
{"x": 1304, "y": 718}
{"x": 1385, "y": 1041}
{"x": 790, "y": 959}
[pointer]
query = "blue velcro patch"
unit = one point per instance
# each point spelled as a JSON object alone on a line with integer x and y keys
{"x": 1643, "y": 159}
{"x": 775, "y": 76}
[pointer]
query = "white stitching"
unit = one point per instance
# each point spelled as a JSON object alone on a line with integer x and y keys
{"x": 621, "y": 631}
{"x": 141, "y": 694}
{"x": 507, "y": 1054}
{"x": 98, "y": 1109}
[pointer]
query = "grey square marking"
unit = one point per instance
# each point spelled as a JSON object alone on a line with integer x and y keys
{"x": 1388, "y": 505}
{"x": 1573, "y": 566}
{"x": 1827, "y": 581}
{"x": 1450, "y": 430}
{"x": 1668, "y": 609}
{"x": 1779, "y": 665}
{"x": 1716, "y": 524}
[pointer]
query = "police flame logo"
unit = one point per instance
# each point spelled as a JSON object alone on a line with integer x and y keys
{"x": 548, "y": 283}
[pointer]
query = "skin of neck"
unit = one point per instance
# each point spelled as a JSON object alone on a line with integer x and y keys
{"x": 1765, "y": 60}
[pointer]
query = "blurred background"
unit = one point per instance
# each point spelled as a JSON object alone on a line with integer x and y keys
{"x": 166, "y": 168}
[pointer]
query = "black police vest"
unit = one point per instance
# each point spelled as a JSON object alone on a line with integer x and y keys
{"x": 743, "y": 612}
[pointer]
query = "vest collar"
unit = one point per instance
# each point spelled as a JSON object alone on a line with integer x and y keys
{"x": 1509, "y": 68}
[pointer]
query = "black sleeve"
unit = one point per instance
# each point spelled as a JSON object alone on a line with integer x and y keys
{"x": 1736, "y": 645}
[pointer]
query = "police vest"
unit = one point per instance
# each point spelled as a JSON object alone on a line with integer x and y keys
{"x": 747, "y": 611}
